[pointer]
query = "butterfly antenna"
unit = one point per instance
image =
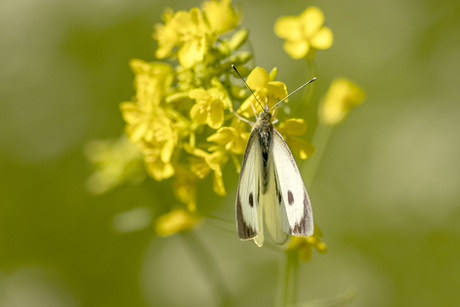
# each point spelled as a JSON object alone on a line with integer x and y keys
{"x": 233, "y": 66}
{"x": 313, "y": 79}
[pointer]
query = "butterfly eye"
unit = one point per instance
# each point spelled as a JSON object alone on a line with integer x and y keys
{"x": 290, "y": 198}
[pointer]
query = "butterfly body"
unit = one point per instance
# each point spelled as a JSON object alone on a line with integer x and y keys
{"x": 270, "y": 188}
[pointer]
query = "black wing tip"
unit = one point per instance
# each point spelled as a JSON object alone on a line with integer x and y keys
{"x": 305, "y": 228}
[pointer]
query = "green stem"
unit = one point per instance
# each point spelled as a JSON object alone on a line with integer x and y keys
{"x": 287, "y": 284}
{"x": 310, "y": 167}
{"x": 208, "y": 265}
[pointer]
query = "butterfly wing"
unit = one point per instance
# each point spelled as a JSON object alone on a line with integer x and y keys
{"x": 270, "y": 203}
{"x": 295, "y": 212}
{"x": 248, "y": 210}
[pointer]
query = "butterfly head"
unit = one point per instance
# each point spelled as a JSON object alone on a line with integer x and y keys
{"x": 265, "y": 115}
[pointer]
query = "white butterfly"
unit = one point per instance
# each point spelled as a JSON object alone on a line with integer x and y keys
{"x": 270, "y": 186}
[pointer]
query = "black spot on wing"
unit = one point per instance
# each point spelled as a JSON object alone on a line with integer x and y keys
{"x": 251, "y": 200}
{"x": 244, "y": 230}
{"x": 290, "y": 198}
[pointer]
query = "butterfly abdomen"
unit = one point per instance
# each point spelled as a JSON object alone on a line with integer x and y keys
{"x": 264, "y": 130}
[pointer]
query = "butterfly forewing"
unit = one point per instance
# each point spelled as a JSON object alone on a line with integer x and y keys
{"x": 295, "y": 213}
{"x": 248, "y": 210}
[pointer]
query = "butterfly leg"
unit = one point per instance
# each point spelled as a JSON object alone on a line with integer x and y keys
{"x": 243, "y": 119}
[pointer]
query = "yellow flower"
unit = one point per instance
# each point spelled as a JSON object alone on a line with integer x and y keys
{"x": 304, "y": 245}
{"x": 152, "y": 81}
{"x": 304, "y": 32}
{"x": 203, "y": 163}
{"x": 264, "y": 89}
{"x": 220, "y": 15}
{"x": 156, "y": 128}
{"x": 166, "y": 35}
{"x": 216, "y": 162}
{"x": 209, "y": 107}
{"x": 298, "y": 147}
{"x": 158, "y": 169}
{"x": 189, "y": 32}
{"x": 157, "y": 131}
{"x": 185, "y": 187}
{"x": 116, "y": 162}
{"x": 341, "y": 97}
{"x": 233, "y": 138}
{"x": 157, "y": 156}
{"x": 177, "y": 220}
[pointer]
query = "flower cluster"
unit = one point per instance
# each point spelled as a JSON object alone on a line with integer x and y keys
{"x": 180, "y": 117}
{"x": 180, "y": 122}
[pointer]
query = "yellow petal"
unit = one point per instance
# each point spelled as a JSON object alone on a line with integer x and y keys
{"x": 131, "y": 113}
{"x": 258, "y": 78}
{"x": 199, "y": 94}
{"x": 218, "y": 183}
{"x": 195, "y": 151}
{"x": 139, "y": 66}
{"x": 238, "y": 39}
{"x": 137, "y": 132}
{"x": 340, "y": 98}
{"x": 190, "y": 53}
{"x": 312, "y": 20}
{"x": 220, "y": 15}
{"x": 197, "y": 20}
{"x": 159, "y": 170}
{"x": 175, "y": 221}
{"x": 215, "y": 160}
{"x": 167, "y": 38}
{"x": 273, "y": 73}
{"x": 199, "y": 167}
{"x": 293, "y": 126}
{"x": 240, "y": 143}
{"x": 167, "y": 150}
{"x": 182, "y": 20}
{"x": 323, "y": 39}
{"x": 199, "y": 113}
{"x": 223, "y": 136}
{"x": 288, "y": 28}
{"x": 246, "y": 109}
{"x": 277, "y": 90}
{"x": 216, "y": 115}
{"x": 300, "y": 148}
{"x": 297, "y": 49}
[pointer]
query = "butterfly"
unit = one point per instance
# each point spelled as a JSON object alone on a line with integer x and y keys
{"x": 270, "y": 188}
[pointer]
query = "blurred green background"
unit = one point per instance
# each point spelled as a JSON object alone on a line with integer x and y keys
{"x": 386, "y": 195}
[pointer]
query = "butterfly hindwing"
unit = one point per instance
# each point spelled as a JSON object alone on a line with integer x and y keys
{"x": 295, "y": 212}
{"x": 270, "y": 204}
{"x": 248, "y": 211}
